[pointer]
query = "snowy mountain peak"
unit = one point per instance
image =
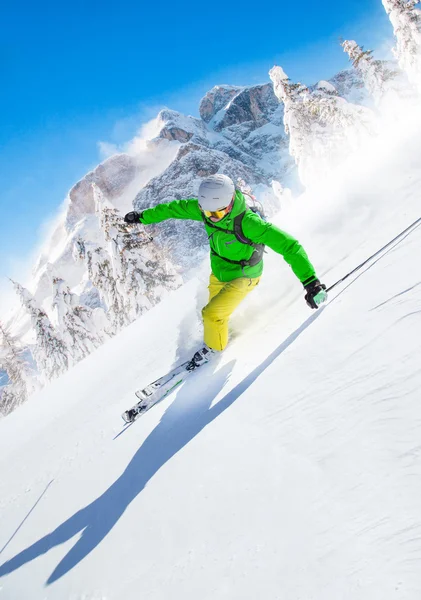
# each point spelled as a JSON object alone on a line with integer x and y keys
{"x": 253, "y": 105}
{"x": 216, "y": 99}
{"x": 178, "y": 127}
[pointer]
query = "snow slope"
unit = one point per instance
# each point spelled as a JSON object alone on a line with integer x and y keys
{"x": 288, "y": 469}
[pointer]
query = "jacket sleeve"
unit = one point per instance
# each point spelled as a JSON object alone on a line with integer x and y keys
{"x": 262, "y": 232}
{"x": 177, "y": 209}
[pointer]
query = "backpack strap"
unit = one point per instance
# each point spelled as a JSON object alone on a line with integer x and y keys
{"x": 238, "y": 230}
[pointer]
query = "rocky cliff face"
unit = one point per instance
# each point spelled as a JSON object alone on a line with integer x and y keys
{"x": 254, "y": 106}
{"x": 217, "y": 99}
{"x": 112, "y": 177}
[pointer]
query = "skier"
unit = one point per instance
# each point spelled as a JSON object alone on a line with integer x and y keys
{"x": 237, "y": 237}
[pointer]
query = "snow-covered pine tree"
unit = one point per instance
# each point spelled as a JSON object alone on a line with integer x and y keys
{"x": 101, "y": 274}
{"x": 112, "y": 226}
{"x": 146, "y": 274}
{"x": 141, "y": 272}
{"x": 406, "y": 21}
{"x": 18, "y": 372}
{"x": 92, "y": 297}
{"x": 109, "y": 221}
{"x": 76, "y": 323}
{"x": 79, "y": 249}
{"x": 379, "y": 79}
{"x": 323, "y": 127}
{"x": 51, "y": 354}
{"x": 297, "y": 126}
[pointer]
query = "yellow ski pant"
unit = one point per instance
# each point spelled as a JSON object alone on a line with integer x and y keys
{"x": 224, "y": 297}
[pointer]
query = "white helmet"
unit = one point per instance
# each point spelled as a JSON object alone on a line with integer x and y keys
{"x": 216, "y": 192}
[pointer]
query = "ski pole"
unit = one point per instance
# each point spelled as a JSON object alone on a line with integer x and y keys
{"x": 407, "y": 230}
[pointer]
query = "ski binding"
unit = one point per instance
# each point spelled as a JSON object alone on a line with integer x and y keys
{"x": 156, "y": 392}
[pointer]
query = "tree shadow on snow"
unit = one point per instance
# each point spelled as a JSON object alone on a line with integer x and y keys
{"x": 178, "y": 426}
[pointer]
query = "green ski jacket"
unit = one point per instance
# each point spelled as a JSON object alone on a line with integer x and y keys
{"x": 226, "y": 244}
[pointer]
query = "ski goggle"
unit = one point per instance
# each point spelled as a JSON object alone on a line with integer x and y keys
{"x": 218, "y": 214}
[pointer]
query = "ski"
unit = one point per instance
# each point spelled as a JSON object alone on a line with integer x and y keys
{"x": 156, "y": 392}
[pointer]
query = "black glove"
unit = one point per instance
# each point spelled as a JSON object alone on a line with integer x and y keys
{"x": 316, "y": 294}
{"x": 132, "y": 217}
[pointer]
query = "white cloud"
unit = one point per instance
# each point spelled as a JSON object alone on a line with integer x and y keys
{"x": 106, "y": 149}
{"x": 21, "y": 269}
{"x": 148, "y": 131}
{"x": 47, "y": 242}
{"x": 8, "y": 299}
{"x": 137, "y": 144}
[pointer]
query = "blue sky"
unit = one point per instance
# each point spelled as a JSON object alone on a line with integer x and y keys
{"x": 74, "y": 74}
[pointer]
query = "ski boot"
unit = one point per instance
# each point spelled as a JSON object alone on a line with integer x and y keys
{"x": 200, "y": 358}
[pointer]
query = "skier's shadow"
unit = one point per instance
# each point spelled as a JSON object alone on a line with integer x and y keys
{"x": 175, "y": 430}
